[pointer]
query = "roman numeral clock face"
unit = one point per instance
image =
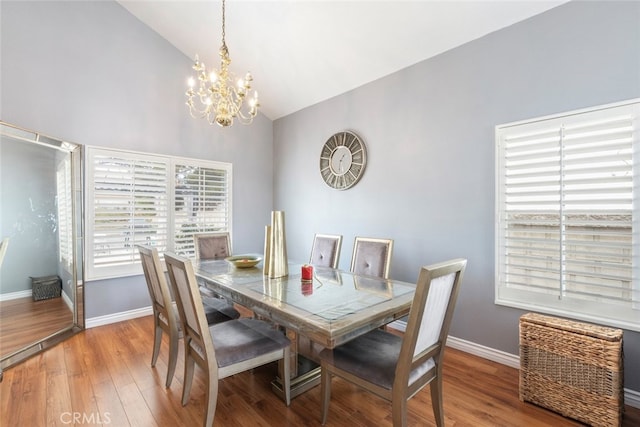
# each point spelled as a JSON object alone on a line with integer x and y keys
{"x": 342, "y": 160}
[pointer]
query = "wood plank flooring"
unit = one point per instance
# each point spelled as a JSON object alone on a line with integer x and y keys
{"x": 24, "y": 321}
{"x": 102, "y": 376}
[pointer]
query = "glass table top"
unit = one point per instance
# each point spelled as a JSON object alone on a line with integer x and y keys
{"x": 332, "y": 294}
{"x": 335, "y": 304}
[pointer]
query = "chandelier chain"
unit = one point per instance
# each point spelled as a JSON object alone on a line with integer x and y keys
{"x": 223, "y": 34}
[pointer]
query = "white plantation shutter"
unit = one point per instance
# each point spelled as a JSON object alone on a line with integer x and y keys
{"x": 566, "y": 235}
{"x": 202, "y": 202}
{"x": 65, "y": 209}
{"x": 138, "y": 198}
{"x": 129, "y": 206}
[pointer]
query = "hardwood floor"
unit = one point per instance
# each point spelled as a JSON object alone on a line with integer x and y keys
{"x": 24, "y": 321}
{"x": 103, "y": 376}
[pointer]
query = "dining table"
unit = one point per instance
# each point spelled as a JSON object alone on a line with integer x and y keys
{"x": 334, "y": 307}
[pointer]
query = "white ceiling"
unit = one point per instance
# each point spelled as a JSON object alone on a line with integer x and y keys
{"x": 303, "y": 52}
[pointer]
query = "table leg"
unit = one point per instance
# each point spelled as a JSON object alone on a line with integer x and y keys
{"x": 306, "y": 373}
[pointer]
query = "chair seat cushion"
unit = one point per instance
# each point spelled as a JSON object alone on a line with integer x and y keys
{"x": 373, "y": 357}
{"x": 218, "y": 310}
{"x": 243, "y": 339}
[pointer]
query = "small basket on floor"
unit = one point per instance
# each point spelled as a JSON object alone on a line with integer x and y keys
{"x": 46, "y": 287}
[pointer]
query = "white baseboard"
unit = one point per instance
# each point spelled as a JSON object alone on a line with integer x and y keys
{"x": 118, "y": 317}
{"x": 15, "y": 295}
{"x": 492, "y": 354}
{"x": 28, "y": 293}
{"x": 631, "y": 397}
{"x": 67, "y": 300}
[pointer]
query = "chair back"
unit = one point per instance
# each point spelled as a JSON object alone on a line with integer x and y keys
{"x": 372, "y": 257}
{"x": 325, "y": 251}
{"x": 156, "y": 282}
{"x": 3, "y": 249}
{"x": 212, "y": 245}
{"x": 191, "y": 310}
{"x": 430, "y": 315}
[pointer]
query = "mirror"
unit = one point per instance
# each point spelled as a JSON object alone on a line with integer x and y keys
{"x": 41, "y": 274}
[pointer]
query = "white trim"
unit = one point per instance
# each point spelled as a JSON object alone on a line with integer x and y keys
{"x": 15, "y": 295}
{"x": 29, "y": 292}
{"x": 631, "y": 397}
{"x": 118, "y": 317}
{"x": 67, "y": 300}
{"x": 492, "y": 354}
{"x": 572, "y": 113}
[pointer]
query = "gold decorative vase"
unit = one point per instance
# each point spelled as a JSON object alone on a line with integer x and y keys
{"x": 277, "y": 265}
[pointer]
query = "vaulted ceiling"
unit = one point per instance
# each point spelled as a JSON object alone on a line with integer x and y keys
{"x": 303, "y": 52}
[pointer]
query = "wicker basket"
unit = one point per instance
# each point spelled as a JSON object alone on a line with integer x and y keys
{"x": 572, "y": 368}
{"x": 46, "y": 287}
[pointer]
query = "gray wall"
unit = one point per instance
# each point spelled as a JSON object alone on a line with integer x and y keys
{"x": 91, "y": 73}
{"x": 429, "y": 130}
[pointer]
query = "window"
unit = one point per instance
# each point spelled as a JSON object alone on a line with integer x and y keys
{"x": 201, "y": 203}
{"x": 65, "y": 209}
{"x": 566, "y": 227}
{"x": 135, "y": 198}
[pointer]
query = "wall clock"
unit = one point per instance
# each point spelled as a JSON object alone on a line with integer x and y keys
{"x": 342, "y": 160}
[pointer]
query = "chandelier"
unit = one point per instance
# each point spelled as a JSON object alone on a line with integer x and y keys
{"x": 218, "y": 99}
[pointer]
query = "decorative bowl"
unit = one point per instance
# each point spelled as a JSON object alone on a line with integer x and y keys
{"x": 243, "y": 261}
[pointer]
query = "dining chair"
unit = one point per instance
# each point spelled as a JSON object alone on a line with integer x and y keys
{"x": 165, "y": 312}
{"x": 223, "y": 349}
{"x": 325, "y": 251}
{"x": 397, "y": 367}
{"x": 212, "y": 245}
{"x": 371, "y": 256}
{"x": 3, "y": 249}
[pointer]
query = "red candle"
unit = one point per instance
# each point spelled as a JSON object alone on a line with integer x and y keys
{"x": 307, "y": 272}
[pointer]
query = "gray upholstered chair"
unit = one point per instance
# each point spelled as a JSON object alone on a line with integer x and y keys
{"x": 212, "y": 245}
{"x": 325, "y": 251}
{"x": 165, "y": 314}
{"x": 394, "y": 367}
{"x": 224, "y": 349}
{"x": 371, "y": 256}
